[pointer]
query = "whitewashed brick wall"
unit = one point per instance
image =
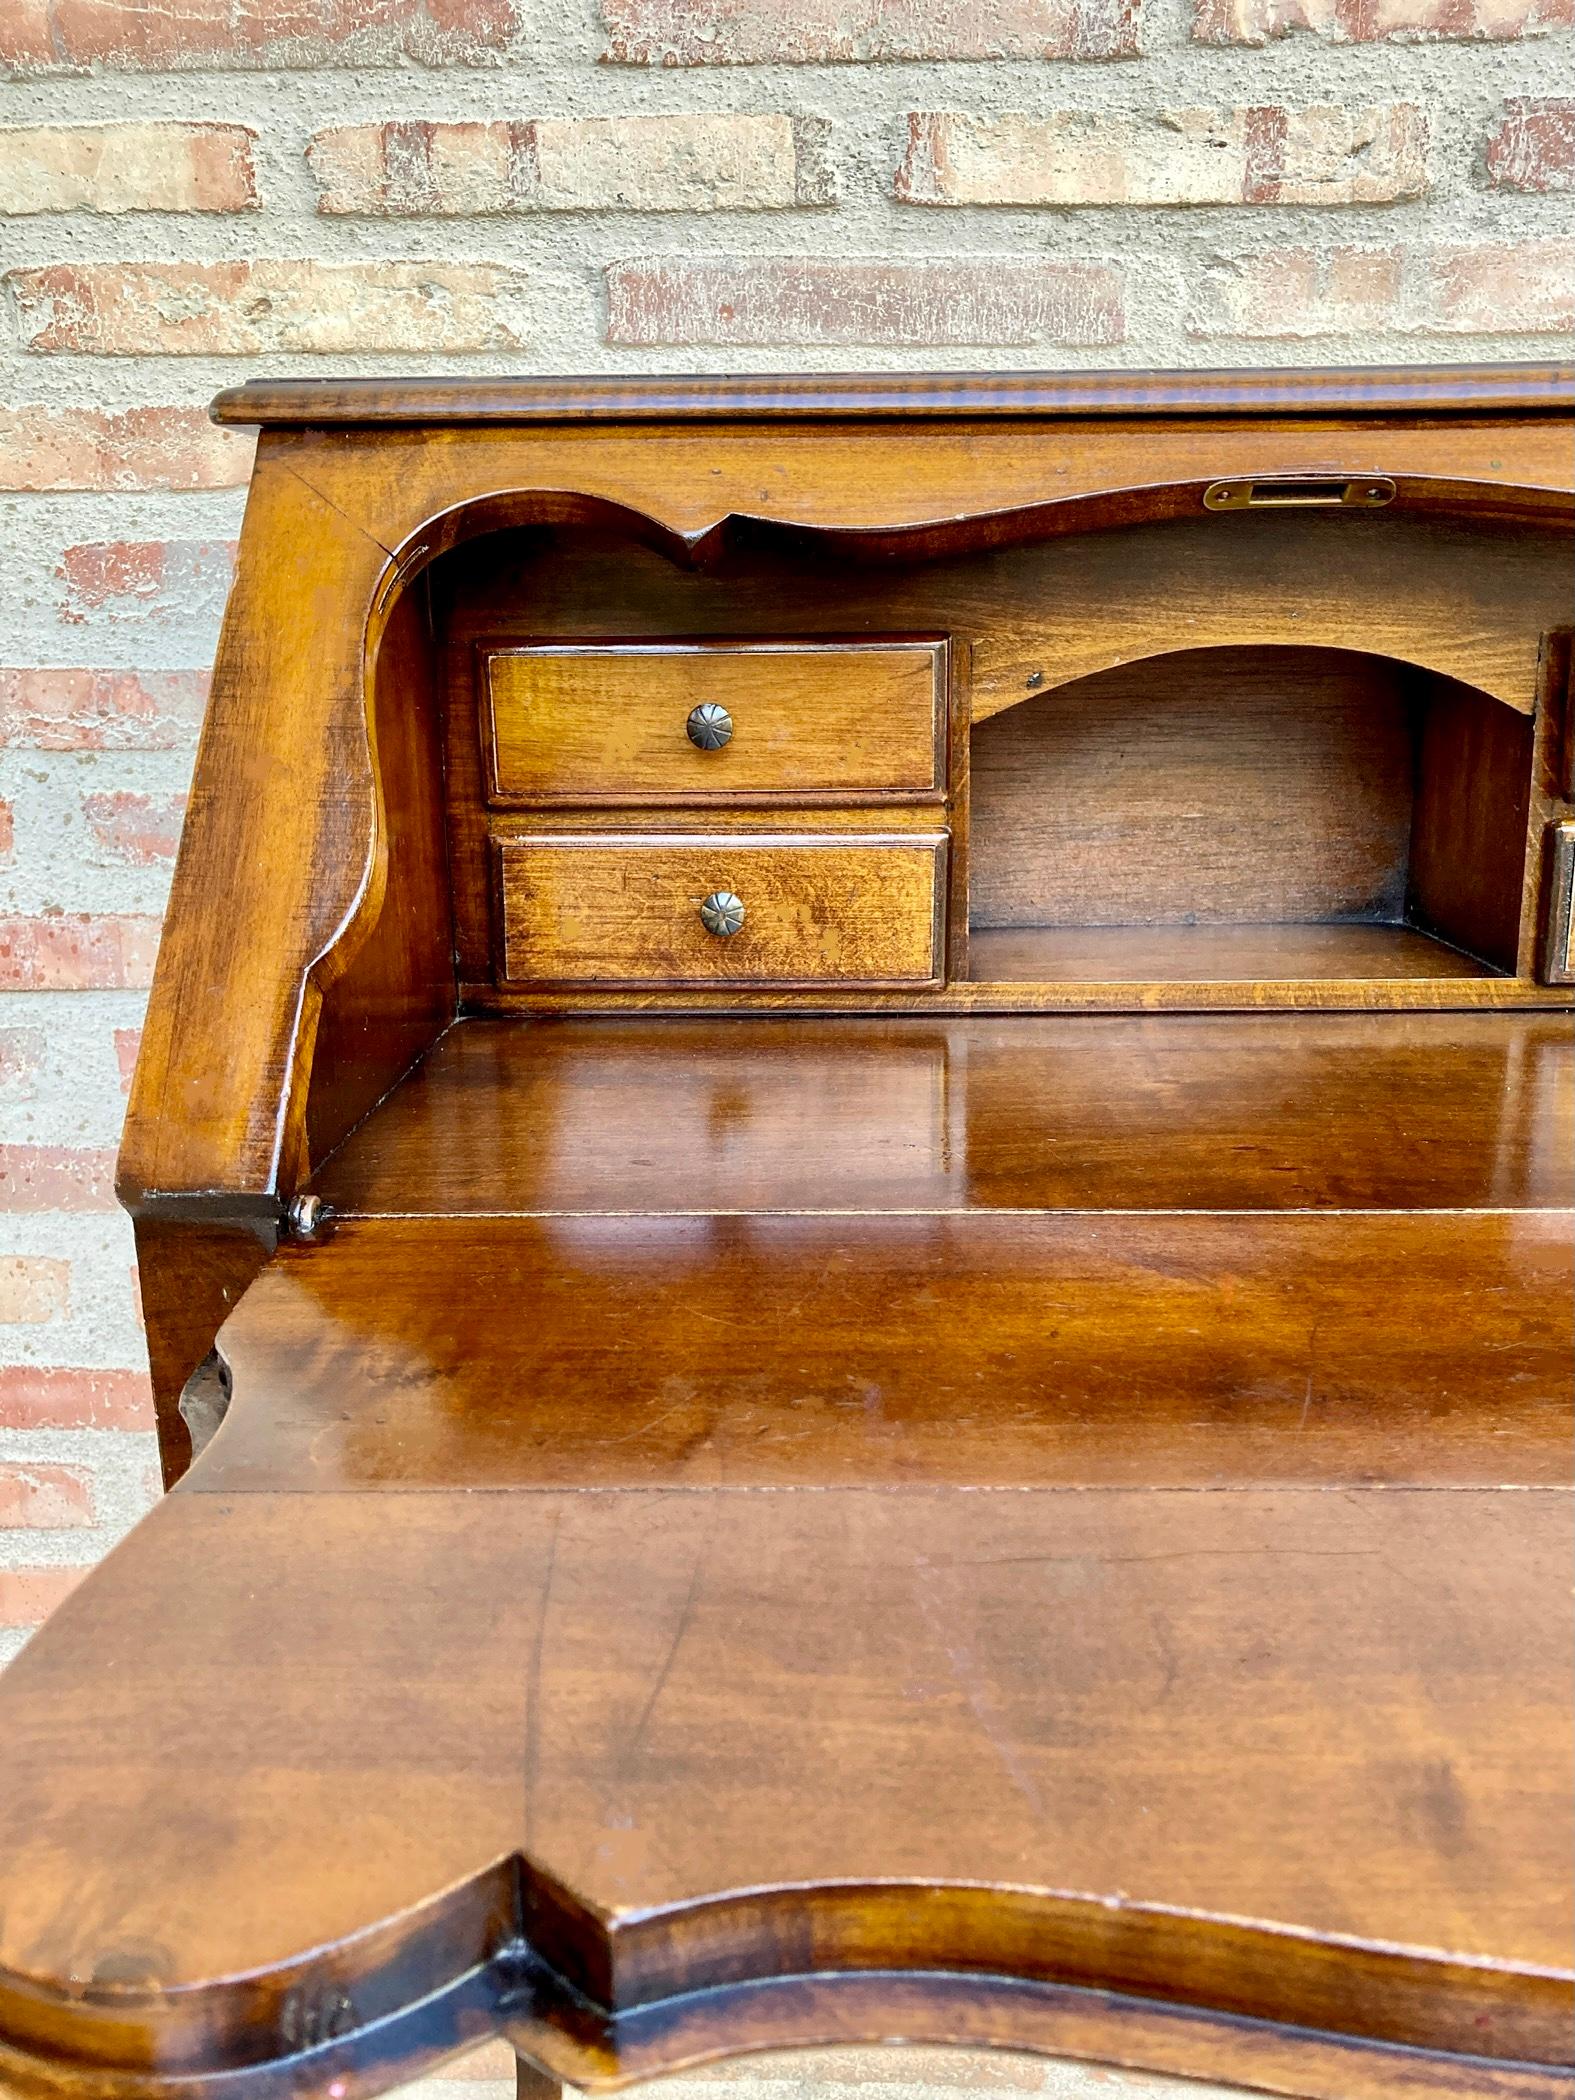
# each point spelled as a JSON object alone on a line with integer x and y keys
{"x": 192, "y": 191}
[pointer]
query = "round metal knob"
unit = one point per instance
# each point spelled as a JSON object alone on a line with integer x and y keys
{"x": 709, "y": 726}
{"x": 722, "y": 913}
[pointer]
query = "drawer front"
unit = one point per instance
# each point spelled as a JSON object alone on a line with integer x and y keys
{"x": 633, "y": 912}
{"x": 613, "y": 724}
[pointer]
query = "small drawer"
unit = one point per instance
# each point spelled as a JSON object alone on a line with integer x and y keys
{"x": 689, "y": 722}
{"x": 745, "y": 909}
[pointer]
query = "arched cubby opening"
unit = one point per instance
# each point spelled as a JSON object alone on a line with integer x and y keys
{"x": 1239, "y": 813}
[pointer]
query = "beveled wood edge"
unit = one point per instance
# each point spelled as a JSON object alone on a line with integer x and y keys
{"x": 1473, "y": 389}
{"x": 403, "y": 1997}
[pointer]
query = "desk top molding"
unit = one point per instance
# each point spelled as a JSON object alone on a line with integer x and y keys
{"x": 1441, "y": 390}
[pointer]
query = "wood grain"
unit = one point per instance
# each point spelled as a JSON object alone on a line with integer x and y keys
{"x": 1350, "y": 950}
{"x": 1268, "y": 1112}
{"x": 625, "y": 911}
{"x": 589, "y": 725}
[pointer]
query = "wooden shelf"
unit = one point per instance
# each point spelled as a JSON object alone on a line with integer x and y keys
{"x": 1213, "y": 955}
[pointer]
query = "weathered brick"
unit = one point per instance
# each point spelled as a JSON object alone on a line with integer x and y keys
{"x": 149, "y": 582}
{"x": 1505, "y": 288}
{"x": 77, "y": 952}
{"x": 45, "y": 1498}
{"x": 1375, "y": 21}
{"x": 1532, "y": 147}
{"x": 34, "y": 1289}
{"x": 7, "y": 830}
{"x": 53, "y": 36}
{"x": 29, "y": 1595}
{"x": 126, "y": 167}
{"x": 1372, "y": 154}
{"x": 74, "y": 1399}
{"x": 140, "y": 829}
{"x": 101, "y": 710}
{"x": 128, "y": 1041}
{"x": 137, "y": 448}
{"x": 678, "y": 163}
{"x": 239, "y": 309}
{"x": 813, "y": 32}
{"x": 983, "y": 300}
{"x": 56, "y": 1177}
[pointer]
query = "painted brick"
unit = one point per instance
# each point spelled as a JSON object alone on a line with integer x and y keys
{"x": 1373, "y": 154}
{"x": 74, "y": 1399}
{"x": 142, "y": 830}
{"x": 126, "y": 167}
{"x": 21, "y": 1054}
{"x": 678, "y": 163}
{"x": 56, "y": 1177}
{"x": 144, "y": 581}
{"x": 1533, "y": 145}
{"x": 53, "y": 36}
{"x": 101, "y": 710}
{"x": 77, "y": 952}
{"x": 1508, "y": 288}
{"x": 34, "y": 1289}
{"x": 239, "y": 309}
{"x": 128, "y": 1041}
{"x": 814, "y": 32}
{"x": 29, "y": 1595}
{"x": 45, "y": 1498}
{"x": 1375, "y": 21}
{"x": 48, "y": 449}
{"x": 983, "y": 300}
{"x": 7, "y": 830}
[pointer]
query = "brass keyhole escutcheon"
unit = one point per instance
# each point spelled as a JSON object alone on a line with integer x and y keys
{"x": 709, "y": 726}
{"x": 722, "y": 913}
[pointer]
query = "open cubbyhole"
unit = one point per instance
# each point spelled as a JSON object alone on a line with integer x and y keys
{"x": 1274, "y": 814}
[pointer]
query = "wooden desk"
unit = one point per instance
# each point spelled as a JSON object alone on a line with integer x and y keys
{"x": 772, "y": 1506}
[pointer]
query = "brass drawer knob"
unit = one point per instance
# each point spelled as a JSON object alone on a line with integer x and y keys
{"x": 709, "y": 727}
{"x": 721, "y": 913}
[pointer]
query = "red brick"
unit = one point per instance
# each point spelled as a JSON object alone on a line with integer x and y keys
{"x": 21, "y": 1053}
{"x": 45, "y": 1498}
{"x": 102, "y": 710}
{"x": 74, "y": 1399}
{"x": 77, "y": 952}
{"x": 1501, "y": 288}
{"x": 1002, "y": 300}
{"x": 1370, "y": 154}
{"x": 7, "y": 830}
{"x": 1376, "y": 21}
{"x": 34, "y": 1289}
{"x": 126, "y": 167}
{"x": 718, "y": 162}
{"x": 52, "y": 36}
{"x": 161, "y": 582}
{"x": 138, "y": 448}
{"x": 29, "y": 1595}
{"x": 239, "y": 309}
{"x": 1533, "y": 145}
{"x": 1504, "y": 288}
{"x": 56, "y": 1177}
{"x": 141, "y": 829}
{"x": 128, "y": 1041}
{"x": 814, "y": 32}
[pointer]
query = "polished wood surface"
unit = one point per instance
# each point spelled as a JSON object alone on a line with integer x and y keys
{"x": 626, "y": 911}
{"x": 817, "y": 1506}
{"x": 1263, "y": 1113}
{"x": 1375, "y": 389}
{"x": 608, "y": 725}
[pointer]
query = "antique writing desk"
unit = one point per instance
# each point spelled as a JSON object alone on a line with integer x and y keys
{"x": 866, "y": 1085}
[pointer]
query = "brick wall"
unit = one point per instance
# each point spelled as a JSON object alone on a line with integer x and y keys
{"x": 200, "y": 189}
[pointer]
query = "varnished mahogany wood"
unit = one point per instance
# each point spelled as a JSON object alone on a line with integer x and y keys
{"x": 1262, "y": 1113}
{"x": 1377, "y": 389}
{"x": 732, "y": 1531}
